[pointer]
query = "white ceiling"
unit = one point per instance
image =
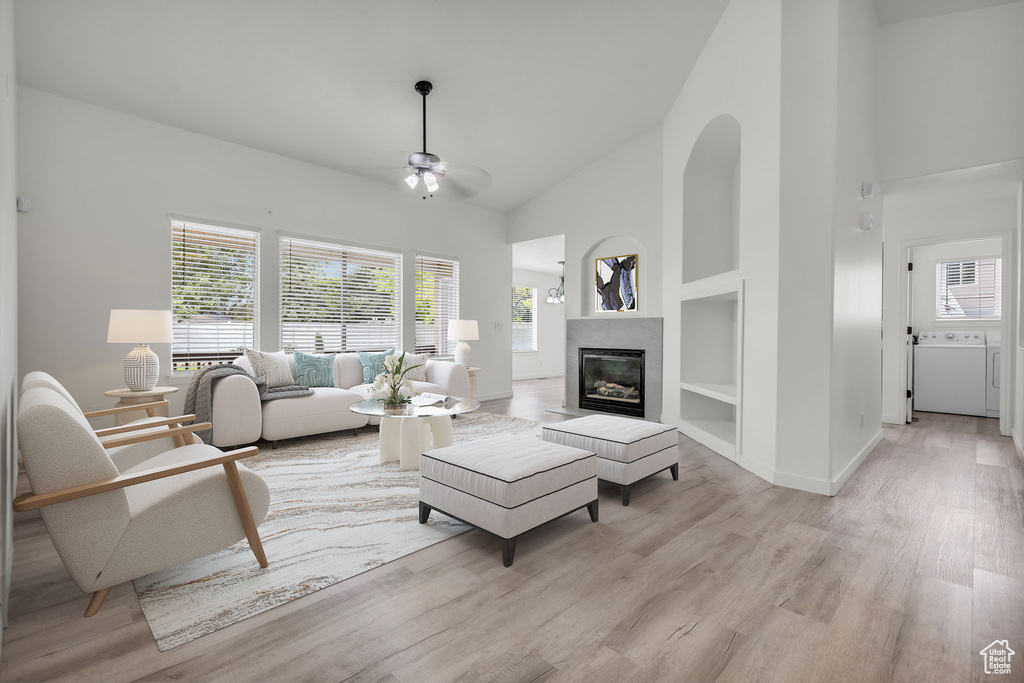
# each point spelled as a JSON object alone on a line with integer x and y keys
{"x": 892, "y": 11}
{"x": 531, "y": 90}
{"x": 540, "y": 255}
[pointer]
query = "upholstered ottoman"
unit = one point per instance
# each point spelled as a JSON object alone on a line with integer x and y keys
{"x": 627, "y": 450}
{"x": 507, "y": 485}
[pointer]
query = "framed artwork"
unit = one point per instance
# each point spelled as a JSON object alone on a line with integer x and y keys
{"x": 616, "y": 283}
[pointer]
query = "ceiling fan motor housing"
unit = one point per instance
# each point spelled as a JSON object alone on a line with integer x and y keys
{"x": 423, "y": 160}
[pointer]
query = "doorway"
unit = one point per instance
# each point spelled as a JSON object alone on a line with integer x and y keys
{"x": 538, "y": 299}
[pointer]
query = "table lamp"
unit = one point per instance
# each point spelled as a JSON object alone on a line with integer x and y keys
{"x": 141, "y": 365}
{"x": 463, "y": 331}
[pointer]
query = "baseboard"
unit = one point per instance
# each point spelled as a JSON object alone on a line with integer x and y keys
{"x": 758, "y": 468}
{"x": 541, "y": 375}
{"x": 894, "y": 419}
{"x": 802, "y": 483}
{"x": 1015, "y": 435}
{"x": 837, "y": 482}
{"x": 496, "y": 395}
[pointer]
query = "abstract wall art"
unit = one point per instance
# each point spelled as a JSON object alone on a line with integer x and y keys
{"x": 616, "y": 283}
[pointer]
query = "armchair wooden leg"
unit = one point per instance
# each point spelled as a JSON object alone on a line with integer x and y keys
{"x": 245, "y": 513}
{"x": 97, "y": 599}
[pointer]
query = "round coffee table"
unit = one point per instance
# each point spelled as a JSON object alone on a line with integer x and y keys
{"x": 406, "y": 433}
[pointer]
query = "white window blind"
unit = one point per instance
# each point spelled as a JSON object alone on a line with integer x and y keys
{"x": 437, "y": 302}
{"x": 524, "y": 321}
{"x": 968, "y": 289}
{"x": 336, "y": 298}
{"x": 214, "y": 285}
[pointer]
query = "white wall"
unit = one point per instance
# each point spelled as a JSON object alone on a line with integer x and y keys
{"x": 738, "y": 73}
{"x": 98, "y": 237}
{"x": 549, "y": 358}
{"x": 925, "y": 258}
{"x": 936, "y": 211}
{"x": 950, "y": 92}
{"x": 614, "y": 203}
{"x": 856, "y": 367}
{"x": 9, "y": 378}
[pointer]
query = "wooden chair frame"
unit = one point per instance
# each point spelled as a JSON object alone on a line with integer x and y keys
{"x": 182, "y": 436}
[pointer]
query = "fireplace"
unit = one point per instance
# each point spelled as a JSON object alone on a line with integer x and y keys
{"x": 612, "y": 381}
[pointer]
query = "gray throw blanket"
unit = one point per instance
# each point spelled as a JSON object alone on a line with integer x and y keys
{"x": 199, "y": 397}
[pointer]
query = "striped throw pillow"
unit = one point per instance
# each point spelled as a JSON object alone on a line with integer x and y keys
{"x": 314, "y": 371}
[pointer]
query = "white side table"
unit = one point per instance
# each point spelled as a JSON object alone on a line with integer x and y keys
{"x": 132, "y": 398}
{"x": 472, "y": 382}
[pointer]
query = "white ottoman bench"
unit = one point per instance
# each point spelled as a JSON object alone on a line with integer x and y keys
{"x": 507, "y": 485}
{"x": 627, "y": 450}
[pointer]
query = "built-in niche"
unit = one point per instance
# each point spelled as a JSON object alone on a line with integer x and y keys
{"x": 711, "y": 199}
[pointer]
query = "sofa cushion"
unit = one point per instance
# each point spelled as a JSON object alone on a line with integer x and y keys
{"x": 373, "y": 364}
{"x": 418, "y": 365}
{"x": 325, "y": 411}
{"x": 418, "y": 387}
{"x": 314, "y": 370}
{"x": 272, "y": 368}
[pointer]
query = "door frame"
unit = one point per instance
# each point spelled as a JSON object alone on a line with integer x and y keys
{"x": 1007, "y": 321}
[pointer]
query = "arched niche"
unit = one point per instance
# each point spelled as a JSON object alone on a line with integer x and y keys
{"x": 711, "y": 201}
{"x": 614, "y": 245}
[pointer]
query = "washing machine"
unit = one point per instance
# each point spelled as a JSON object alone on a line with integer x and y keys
{"x": 992, "y": 374}
{"x": 950, "y": 373}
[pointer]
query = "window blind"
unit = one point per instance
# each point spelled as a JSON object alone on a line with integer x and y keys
{"x": 336, "y": 298}
{"x": 968, "y": 289}
{"x": 437, "y": 302}
{"x": 214, "y": 285}
{"x": 524, "y": 322}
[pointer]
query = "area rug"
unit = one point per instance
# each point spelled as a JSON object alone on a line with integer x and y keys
{"x": 335, "y": 511}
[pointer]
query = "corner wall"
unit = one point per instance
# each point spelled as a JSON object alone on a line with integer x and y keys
{"x": 8, "y": 298}
{"x": 98, "y": 237}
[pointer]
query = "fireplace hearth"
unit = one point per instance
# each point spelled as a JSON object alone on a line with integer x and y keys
{"x": 612, "y": 381}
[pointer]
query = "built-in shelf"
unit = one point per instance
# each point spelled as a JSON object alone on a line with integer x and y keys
{"x": 719, "y": 392}
{"x": 718, "y": 435}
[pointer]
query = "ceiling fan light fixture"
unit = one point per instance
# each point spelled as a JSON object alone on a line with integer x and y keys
{"x": 412, "y": 180}
{"x": 430, "y": 180}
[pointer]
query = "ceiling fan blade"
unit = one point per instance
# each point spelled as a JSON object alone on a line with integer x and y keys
{"x": 463, "y": 182}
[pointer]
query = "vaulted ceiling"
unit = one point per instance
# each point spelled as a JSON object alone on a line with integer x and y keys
{"x": 531, "y": 90}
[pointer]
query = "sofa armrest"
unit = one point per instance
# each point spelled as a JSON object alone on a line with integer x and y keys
{"x": 237, "y": 413}
{"x": 452, "y": 376}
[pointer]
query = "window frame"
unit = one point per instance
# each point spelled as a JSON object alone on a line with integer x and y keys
{"x": 533, "y": 322}
{"x": 447, "y": 307}
{"x": 345, "y": 253}
{"x": 192, "y": 361}
{"x": 978, "y": 272}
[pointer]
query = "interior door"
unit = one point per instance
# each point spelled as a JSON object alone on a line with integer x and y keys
{"x": 910, "y": 336}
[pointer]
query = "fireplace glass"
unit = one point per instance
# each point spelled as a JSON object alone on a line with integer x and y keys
{"x": 612, "y": 381}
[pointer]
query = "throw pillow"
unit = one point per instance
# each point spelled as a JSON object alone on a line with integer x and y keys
{"x": 417, "y": 374}
{"x": 373, "y": 364}
{"x": 272, "y": 368}
{"x": 314, "y": 371}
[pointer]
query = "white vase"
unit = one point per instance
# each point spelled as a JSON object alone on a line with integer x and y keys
{"x": 141, "y": 368}
{"x": 463, "y": 354}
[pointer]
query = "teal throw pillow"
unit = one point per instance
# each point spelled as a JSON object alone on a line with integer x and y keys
{"x": 373, "y": 364}
{"x": 314, "y": 371}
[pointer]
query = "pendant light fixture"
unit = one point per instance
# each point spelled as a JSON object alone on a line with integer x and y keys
{"x": 556, "y": 295}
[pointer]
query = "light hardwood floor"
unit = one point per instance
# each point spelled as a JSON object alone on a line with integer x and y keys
{"x": 905, "y": 575}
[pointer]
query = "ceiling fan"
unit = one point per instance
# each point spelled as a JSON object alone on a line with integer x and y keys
{"x": 426, "y": 169}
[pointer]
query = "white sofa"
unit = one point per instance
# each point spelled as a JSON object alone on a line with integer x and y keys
{"x": 239, "y": 417}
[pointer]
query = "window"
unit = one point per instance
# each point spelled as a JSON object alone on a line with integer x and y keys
{"x": 336, "y": 298}
{"x": 214, "y": 285}
{"x": 524, "y": 322}
{"x": 437, "y": 302}
{"x": 968, "y": 289}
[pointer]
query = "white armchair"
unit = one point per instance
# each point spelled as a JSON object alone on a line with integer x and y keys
{"x": 112, "y": 524}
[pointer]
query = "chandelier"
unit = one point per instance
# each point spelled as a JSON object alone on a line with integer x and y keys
{"x": 556, "y": 295}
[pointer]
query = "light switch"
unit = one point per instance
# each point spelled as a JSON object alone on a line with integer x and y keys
{"x": 498, "y": 325}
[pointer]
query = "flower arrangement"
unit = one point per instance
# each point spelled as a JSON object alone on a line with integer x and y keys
{"x": 393, "y": 380}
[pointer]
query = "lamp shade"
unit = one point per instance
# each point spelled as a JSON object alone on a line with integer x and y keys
{"x": 463, "y": 330}
{"x": 139, "y": 327}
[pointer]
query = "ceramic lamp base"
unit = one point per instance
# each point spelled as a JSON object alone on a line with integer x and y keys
{"x": 141, "y": 368}
{"x": 463, "y": 354}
